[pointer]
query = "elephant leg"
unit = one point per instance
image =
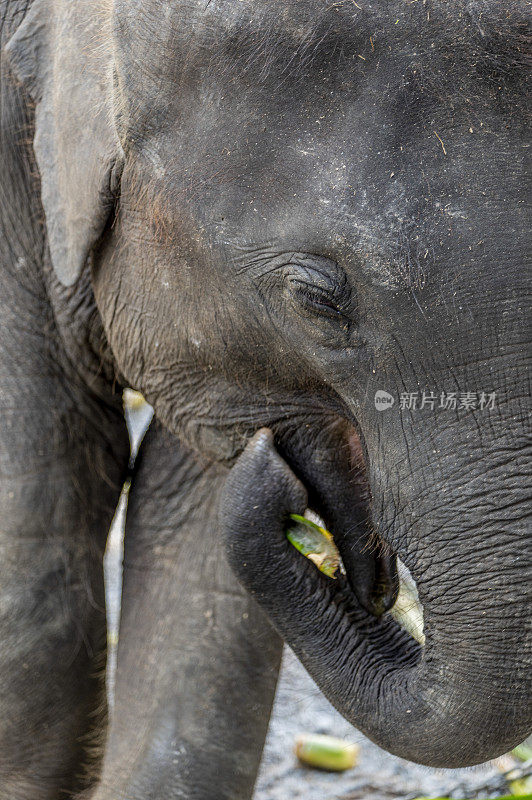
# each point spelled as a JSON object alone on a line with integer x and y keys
{"x": 63, "y": 455}
{"x": 197, "y": 660}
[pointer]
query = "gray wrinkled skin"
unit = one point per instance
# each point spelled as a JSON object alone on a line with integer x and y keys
{"x": 259, "y": 213}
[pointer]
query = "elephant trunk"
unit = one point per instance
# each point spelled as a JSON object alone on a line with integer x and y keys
{"x": 457, "y": 520}
{"x": 458, "y": 700}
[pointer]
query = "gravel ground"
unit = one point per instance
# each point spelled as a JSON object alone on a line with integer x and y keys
{"x": 301, "y": 707}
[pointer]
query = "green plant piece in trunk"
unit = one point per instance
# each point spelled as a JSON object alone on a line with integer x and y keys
{"x": 407, "y": 610}
{"x": 315, "y": 543}
{"x": 523, "y": 751}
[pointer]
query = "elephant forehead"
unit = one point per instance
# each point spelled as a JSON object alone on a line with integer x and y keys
{"x": 168, "y": 52}
{"x": 171, "y": 33}
{"x": 311, "y": 121}
{"x": 201, "y": 22}
{"x": 180, "y": 45}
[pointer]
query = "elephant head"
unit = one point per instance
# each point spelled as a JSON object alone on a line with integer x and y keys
{"x": 290, "y": 209}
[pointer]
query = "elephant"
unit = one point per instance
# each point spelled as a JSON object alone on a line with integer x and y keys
{"x": 299, "y": 229}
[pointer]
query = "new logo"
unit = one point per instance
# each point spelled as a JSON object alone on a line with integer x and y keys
{"x": 383, "y": 400}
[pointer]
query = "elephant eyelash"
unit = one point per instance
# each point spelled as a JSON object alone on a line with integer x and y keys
{"x": 317, "y": 299}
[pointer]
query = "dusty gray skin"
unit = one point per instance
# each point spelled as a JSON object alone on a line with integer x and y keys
{"x": 258, "y": 214}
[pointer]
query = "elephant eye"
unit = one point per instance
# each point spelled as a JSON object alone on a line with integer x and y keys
{"x": 311, "y": 285}
{"x": 316, "y": 299}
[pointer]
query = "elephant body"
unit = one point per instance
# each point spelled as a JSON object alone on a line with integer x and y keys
{"x": 267, "y": 217}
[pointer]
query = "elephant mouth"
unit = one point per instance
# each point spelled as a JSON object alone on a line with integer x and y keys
{"x": 370, "y": 562}
{"x": 333, "y": 465}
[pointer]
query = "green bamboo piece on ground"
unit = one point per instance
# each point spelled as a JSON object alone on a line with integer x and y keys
{"x": 506, "y": 797}
{"x": 521, "y": 787}
{"x": 326, "y": 752}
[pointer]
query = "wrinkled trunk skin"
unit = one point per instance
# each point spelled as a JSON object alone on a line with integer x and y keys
{"x": 448, "y": 496}
{"x": 450, "y": 507}
{"x": 457, "y": 522}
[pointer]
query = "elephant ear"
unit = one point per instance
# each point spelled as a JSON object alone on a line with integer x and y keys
{"x": 62, "y": 54}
